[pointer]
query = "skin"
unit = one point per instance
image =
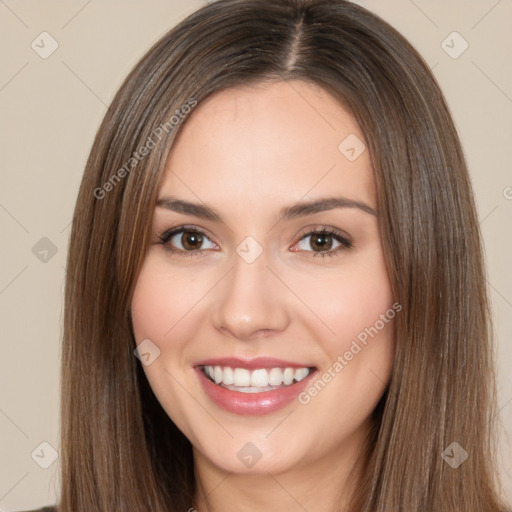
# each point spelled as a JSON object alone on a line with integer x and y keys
{"x": 247, "y": 153}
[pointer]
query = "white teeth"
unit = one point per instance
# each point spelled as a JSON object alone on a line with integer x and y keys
{"x": 261, "y": 378}
{"x": 227, "y": 376}
{"x": 288, "y": 375}
{"x": 241, "y": 377}
{"x": 275, "y": 377}
{"x": 301, "y": 373}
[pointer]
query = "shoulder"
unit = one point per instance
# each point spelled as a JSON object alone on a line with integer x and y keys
{"x": 43, "y": 509}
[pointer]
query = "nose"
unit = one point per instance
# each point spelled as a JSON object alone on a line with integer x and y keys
{"x": 250, "y": 301}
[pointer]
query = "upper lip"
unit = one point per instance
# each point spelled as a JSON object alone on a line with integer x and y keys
{"x": 251, "y": 364}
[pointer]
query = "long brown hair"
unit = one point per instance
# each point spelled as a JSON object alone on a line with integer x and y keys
{"x": 120, "y": 451}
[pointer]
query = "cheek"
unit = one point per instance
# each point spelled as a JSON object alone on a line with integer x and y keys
{"x": 159, "y": 309}
{"x": 350, "y": 300}
{"x": 156, "y": 311}
{"x": 166, "y": 309}
{"x": 356, "y": 305}
{"x": 163, "y": 301}
{"x": 151, "y": 312}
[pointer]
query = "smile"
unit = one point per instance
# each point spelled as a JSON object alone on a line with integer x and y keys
{"x": 256, "y": 381}
{"x": 253, "y": 391}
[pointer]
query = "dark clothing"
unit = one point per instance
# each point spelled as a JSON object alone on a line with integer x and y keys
{"x": 44, "y": 509}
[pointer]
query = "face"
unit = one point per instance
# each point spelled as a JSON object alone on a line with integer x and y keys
{"x": 266, "y": 270}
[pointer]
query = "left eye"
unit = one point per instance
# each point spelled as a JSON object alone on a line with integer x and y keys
{"x": 323, "y": 242}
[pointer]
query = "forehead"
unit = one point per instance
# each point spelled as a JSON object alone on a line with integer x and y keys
{"x": 269, "y": 143}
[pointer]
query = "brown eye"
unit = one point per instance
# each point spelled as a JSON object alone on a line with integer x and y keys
{"x": 186, "y": 240}
{"x": 191, "y": 240}
{"x": 323, "y": 242}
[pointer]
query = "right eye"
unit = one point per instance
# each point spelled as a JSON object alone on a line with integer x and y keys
{"x": 183, "y": 240}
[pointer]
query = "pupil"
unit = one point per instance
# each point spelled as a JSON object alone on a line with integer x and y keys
{"x": 321, "y": 241}
{"x": 190, "y": 240}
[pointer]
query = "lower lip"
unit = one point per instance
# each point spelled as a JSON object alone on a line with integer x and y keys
{"x": 252, "y": 404}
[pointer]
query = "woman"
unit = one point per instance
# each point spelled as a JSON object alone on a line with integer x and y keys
{"x": 275, "y": 295}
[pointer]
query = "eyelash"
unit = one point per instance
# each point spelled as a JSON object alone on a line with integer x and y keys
{"x": 345, "y": 243}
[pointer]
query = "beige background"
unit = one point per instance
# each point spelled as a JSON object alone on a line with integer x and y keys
{"x": 50, "y": 110}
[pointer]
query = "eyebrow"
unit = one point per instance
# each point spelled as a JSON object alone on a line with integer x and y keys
{"x": 296, "y": 210}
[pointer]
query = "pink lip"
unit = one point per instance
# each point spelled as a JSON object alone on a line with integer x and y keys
{"x": 251, "y": 364}
{"x": 252, "y": 404}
